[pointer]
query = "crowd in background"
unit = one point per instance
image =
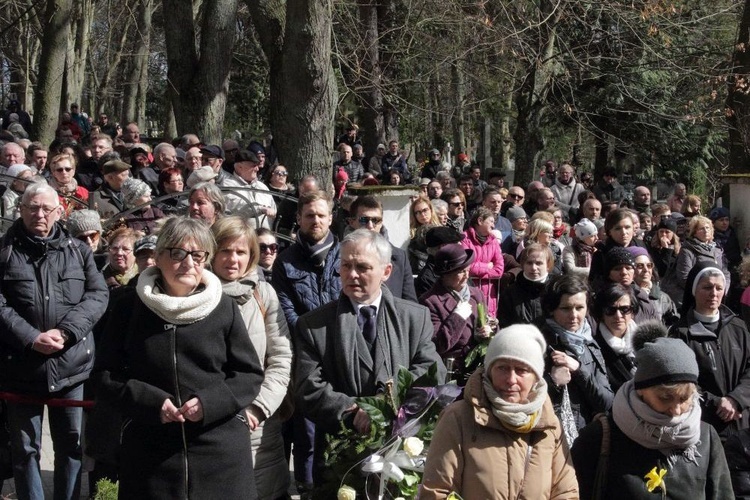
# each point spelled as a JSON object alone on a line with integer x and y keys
{"x": 580, "y": 261}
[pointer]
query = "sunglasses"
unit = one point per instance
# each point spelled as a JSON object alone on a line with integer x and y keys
{"x": 64, "y": 169}
{"x": 456, "y": 204}
{"x": 272, "y": 248}
{"x": 422, "y": 212}
{"x": 642, "y": 266}
{"x": 280, "y": 173}
{"x": 516, "y": 196}
{"x": 624, "y": 310}
{"x": 366, "y": 220}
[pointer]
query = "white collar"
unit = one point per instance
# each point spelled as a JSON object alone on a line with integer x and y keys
{"x": 359, "y": 305}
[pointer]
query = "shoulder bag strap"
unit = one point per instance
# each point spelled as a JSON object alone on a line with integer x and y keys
{"x": 600, "y": 479}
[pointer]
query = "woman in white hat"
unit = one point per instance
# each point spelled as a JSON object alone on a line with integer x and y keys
{"x": 503, "y": 439}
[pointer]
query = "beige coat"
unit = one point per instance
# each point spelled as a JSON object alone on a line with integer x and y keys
{"x": 474, "y": 455}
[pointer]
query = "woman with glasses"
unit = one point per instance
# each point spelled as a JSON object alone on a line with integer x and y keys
{"x": 614, "y": 310}
{"x": 286, "y": 216}
{"x": 647, "y": 279}
{"x": 269, "y": 249}
{"x": 488, "y": 264}
{"x": 421, "y": 218}
{"x": 235, "y": 263}
{"x": 72, "y": 196}
{"x": 171, "y": 182}
{"x": 121, "y": 266}
{"x": 177, "y": 361}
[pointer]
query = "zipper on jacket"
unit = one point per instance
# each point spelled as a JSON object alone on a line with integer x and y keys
{"x": 710, "y": 352}
{"x": 173, "y": 344}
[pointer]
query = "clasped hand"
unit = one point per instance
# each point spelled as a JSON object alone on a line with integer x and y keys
{"x": 192, "y": 410}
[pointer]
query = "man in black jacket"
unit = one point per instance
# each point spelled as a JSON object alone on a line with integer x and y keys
{"x": 51, "y": 296}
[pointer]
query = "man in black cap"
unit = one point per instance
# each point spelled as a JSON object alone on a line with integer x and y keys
{"x": 107, "y": 200}
{"x": 432, "y": 165}
{"x": 213, "y": 156}
{"x": 436, "y": 238}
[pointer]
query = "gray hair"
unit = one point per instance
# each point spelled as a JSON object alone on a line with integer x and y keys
{"x": 177, "y": 231}
{"x": 213, "y": 193}
{"x": 39, "y": 188}
{"x": 10, "y": 145}
{"x": 373, "y": 242}
{"x": 439, "y": 205}
{"x": 162, "y": 146}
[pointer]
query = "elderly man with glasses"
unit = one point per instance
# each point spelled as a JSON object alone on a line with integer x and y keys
{"x": 51, "y": 295}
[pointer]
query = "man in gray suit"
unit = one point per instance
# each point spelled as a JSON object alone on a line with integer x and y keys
{"x": 351, "y": 347}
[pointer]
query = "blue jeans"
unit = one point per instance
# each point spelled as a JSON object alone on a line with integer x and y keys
{"x": 25, "y": 427}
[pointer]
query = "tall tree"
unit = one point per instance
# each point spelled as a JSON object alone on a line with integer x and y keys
{"x": 296, "y": 38}
{"x": 199, "y": 54}
{"x": 56, "y": 25}
{"x": 738, "y": 102}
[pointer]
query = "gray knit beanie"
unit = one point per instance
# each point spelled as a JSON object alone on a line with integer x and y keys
{"x": 661, "y": 360}
{"x": 515, "y": 213}
{"x": 132, "y": 189}
{"x": 524, "y": 343}
{"x": 82, "y": 221}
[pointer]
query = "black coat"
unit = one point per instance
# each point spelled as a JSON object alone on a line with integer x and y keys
{"x": 589, "y": 389}
{"x": 47, "y": 284}
{"x": 620, "y": 367}
{"x": 724, "y": 364}
{"x": 143, "y": 360}
{"x": 629, "y": 462}
{"x": 520, "y": 302}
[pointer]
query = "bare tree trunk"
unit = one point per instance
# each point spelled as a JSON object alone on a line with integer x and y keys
{"x": 738, "y": 101}
{"x": 303, "y": 87}
{"x": 77, "y": 53}
{"x": 458, "y": 122}
{"x": 372, "y": 112}
{"x": 116, "y": 44}
{"x": 136, "y": 79}
{"x": 51, "y": 68}
{"x": 199, "y": 76}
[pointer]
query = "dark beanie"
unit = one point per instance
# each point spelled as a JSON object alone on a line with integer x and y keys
{"x": 617, "y": 256}
{"x": 661, "y": 360}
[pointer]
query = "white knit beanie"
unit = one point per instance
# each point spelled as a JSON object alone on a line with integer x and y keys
{"x": 524, "y": 343}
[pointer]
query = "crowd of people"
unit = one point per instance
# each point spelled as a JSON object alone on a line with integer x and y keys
{"x": 225, "y": 320}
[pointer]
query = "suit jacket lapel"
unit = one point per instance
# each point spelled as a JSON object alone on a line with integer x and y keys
{"x": 348, "y": 358}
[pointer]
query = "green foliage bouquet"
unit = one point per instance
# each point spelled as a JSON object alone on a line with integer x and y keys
{"x": 389, "y": 461}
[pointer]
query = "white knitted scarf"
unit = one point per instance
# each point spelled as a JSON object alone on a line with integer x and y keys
{"x": 179, "y": 310}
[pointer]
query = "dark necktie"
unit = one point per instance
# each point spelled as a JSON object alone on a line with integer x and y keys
{"x": 366, "y": 322}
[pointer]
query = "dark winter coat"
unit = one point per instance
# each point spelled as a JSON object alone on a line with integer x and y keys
{"x": 597, "y": 279}
{"x": 301, "y": 286}
{"x": 589, "y": 389}
{"x": 143, "y": 360}
{"x": 520, "y": 302}
{"x": 51, "y": 283}
{"x": 724, "y": 363}
{"x": 614, "y": 192}
{"x": 629, "y": 462}
{"x": 453, "y": 336}
{"x": 620, "y": 367}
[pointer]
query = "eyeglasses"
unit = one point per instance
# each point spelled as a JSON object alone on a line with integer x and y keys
{"x": 89, "y": 237}
{"x": 366, "y": 220}
{"x": 272, "y": 248}
{"x": 64, "y": 169}
{"x": 516, "y": 196}
{"x": 124, "y": 250}
{"x": 422, "y": 212}
{"x": 280, "y": 173}
{"x": 35, "y": 209}
{"x": 179, "y": 254}
{"x": 624, "y": 310}
{"x": 645, "y": 265}
{"x": 456, "y": 204}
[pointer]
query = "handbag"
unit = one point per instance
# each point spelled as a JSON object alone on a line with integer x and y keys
{"x": 568, "y": 421}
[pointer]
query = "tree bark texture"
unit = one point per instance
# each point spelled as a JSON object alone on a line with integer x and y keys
{"x": 78, "y": 48}
{"x": 199, "y": 75}
{"x": 297, "y": 44}
{"x": 51, "y": 68}
{"x": 738, "y": 100}
{"x": 136, "y": 79}
{"x": 373, "y": 121}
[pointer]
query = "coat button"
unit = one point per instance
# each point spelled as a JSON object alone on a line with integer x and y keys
{"x": 46, "y": 297}
{"x": 52, "y": 388}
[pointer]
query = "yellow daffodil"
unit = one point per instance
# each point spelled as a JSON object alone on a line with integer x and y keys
{"x": 454, "y": 496}
{"x": 655, "y": 480}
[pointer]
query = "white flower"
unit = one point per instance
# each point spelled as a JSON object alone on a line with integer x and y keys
{"x": 346, "y": 493}
{"x": 413, "y": 446}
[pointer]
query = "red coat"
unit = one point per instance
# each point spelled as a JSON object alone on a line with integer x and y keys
{"x": 484, "y": 276}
